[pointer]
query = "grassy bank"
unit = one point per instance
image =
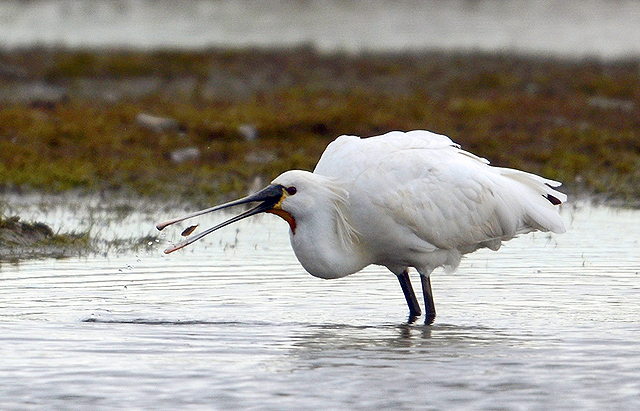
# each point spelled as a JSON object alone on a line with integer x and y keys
{"x": 183, "y": 125}
{"x": 20, "y": 240}
{"x": 76, "y": 224}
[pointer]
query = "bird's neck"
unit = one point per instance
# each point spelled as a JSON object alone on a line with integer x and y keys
{"x": 326, "y": 244}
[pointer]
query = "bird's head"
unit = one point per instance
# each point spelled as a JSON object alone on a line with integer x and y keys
{"x": 291, "y": 194}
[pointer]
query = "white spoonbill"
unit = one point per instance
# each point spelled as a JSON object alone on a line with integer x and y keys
{"x": 399, "y": 200}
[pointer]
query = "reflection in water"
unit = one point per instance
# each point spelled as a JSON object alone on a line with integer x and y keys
{"x": 406, "y": 339}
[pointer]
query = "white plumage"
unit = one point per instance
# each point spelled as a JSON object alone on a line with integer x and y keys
{"x": 401, "y": 200}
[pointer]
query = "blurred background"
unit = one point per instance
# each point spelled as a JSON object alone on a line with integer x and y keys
{"x": 207, "y": 98}
{"x": 600, "y": 28}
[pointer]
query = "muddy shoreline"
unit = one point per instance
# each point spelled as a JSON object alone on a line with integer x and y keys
{"x": 76, "y": 119}
{"x": 201, "y": 127}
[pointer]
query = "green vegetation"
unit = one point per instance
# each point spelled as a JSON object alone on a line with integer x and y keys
{"x": 19, "y": 239}
{"x": 69, "y": 119}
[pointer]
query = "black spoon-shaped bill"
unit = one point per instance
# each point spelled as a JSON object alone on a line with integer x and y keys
{"x": 270, "y": 198}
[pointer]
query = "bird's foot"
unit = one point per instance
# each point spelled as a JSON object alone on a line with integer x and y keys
{"x": 429, "y": 318}
{"x": 413, "y": 317}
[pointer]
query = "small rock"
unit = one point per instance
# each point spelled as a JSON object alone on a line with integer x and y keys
{"x": 34, "y": 93}
{"x": 12, "y": 72}
{"x": 607, "y": 103}
{"x": 157, "y": 124}
{"x": 181, "y": 155}
{"x": 248, "y": 132}
{"x": 260, "y": 157}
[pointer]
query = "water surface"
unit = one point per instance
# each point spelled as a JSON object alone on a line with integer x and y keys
{"x": 233, "y": 322}
{"x": 601, "y": 28}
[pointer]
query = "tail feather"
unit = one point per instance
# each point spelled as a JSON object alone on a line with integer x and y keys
{"x": 540, "y": 205}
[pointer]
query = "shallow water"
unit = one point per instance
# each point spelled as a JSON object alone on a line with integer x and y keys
{"x": 233, "y": 322}
{"x": 601, "y": 28}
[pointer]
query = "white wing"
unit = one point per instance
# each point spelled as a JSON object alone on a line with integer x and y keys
{"x": 441, "y": 196}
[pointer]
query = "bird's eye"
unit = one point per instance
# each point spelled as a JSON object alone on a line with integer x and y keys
{"x": 291, "y": 190}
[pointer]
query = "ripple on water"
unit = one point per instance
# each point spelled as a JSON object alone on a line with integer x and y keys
{"x": 547, "y": 322}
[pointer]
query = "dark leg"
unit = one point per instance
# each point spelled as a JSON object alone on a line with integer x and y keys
{"x": 410, "y": 296}
{"x": 429, "y": 306}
